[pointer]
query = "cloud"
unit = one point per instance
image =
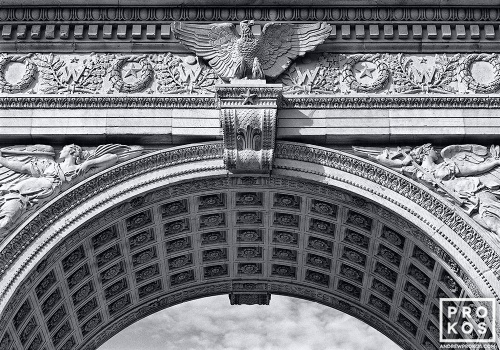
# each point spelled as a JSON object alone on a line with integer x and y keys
{"x": 212, "y": 323}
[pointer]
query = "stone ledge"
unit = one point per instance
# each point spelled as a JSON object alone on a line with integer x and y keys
{"x": 338, "y": 125}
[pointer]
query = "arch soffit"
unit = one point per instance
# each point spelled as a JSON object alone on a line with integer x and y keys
{"x": 298, "y": 169}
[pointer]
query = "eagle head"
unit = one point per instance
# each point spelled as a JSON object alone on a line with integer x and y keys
{"x": 246, "y": 28}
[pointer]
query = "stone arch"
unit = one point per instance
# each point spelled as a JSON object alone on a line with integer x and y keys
{"x": 174, "y": 225}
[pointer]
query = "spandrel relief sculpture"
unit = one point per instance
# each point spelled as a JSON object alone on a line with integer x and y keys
{"x": 30, "y": 175}
{"x": 468, "y": 175}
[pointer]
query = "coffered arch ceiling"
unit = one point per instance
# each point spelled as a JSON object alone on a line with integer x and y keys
{"x": 173, "y": 226}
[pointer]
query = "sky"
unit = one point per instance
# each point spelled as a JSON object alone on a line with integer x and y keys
{"x": 212, "y": 323}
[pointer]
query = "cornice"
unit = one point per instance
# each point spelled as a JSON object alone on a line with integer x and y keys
{"x": 277, "y": 3}
{"x": 355, "y": 27}
{"x": 430, "y": 11}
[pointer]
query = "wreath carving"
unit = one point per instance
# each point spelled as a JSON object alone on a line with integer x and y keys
{"x": 464, "y": 71}
{"x": 351, "y": 81}
{"x": 27, "y": 79}
{"x": 141, "y": 84}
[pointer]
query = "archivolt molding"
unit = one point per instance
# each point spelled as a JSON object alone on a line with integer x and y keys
{"x": 457, "y": 274}
{"x": 478, "y": 239}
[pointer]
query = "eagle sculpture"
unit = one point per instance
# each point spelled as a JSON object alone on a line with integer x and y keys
{"x": 236, "y": 57}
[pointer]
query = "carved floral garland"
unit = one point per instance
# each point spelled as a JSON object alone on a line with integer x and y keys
{"x": 27, "y": 79}
{"x": 351, "y": 81}
{"x": 465, "y": 72}
{"x": 139, "y": 85}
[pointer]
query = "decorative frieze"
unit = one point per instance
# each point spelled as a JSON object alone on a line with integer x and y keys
{"x": 37, "y": 75}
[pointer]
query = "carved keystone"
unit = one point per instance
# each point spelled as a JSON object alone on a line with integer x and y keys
{"x": 248, "y": 118}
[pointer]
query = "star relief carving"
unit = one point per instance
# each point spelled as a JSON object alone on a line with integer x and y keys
{"x": 248, "y": 98}
{"x": 131, "y": 71}
{"x": 365, "y": 71}
{"x": 422, "y": 60}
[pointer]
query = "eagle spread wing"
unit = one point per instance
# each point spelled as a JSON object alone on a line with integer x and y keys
{"x": 215, "y": 43}
{"x": 280, "y": 43}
